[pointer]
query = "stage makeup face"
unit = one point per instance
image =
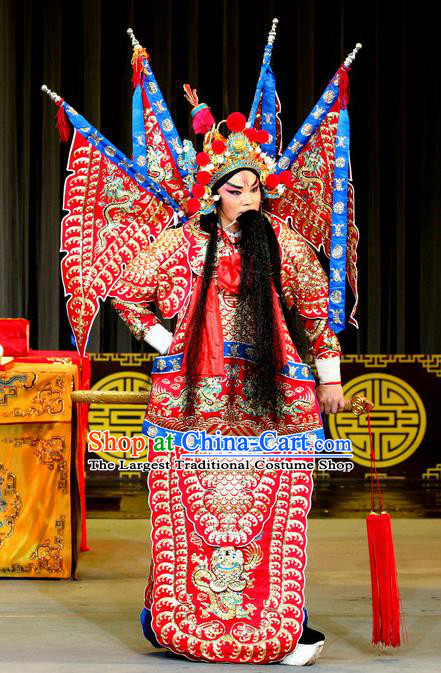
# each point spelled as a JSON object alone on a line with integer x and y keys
{"x": 239, "y": 194}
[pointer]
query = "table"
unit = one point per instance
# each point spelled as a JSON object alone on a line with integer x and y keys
{"x": 39, "y": 480}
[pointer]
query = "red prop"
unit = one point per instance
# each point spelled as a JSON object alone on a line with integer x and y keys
{"x": 202, "y": 159}
{"x": 272, "y": 181}
{"x": 138, "y": 66}
{"x": 203, "y": 120}
{"x": 218, "y": 146}
{"x": 14, "y": 336}
{"x": 262, "y": 136}
{"x": 198, "y": 190}
{"x": 203, "y": 177}
{"x": 386, "y": 604}
{"x": 236, "y": 122}
{"x": 63, "y": 125}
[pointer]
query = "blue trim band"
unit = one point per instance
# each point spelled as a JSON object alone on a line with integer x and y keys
{"x": 269, "y": 112}
{"x": 114, "y": 155}
{"x": 309, "y": 126}
{"x": 152, "y": 430}
{"x": 298, "y": 371}
{"x": 337, "y": 268}
{"x": 260, "y": 83}
{"x": 138, "y": 133}
{"x": 163, "y": 116}
{"x": 198, "y": 108}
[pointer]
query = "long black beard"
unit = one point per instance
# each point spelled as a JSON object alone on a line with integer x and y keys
{"x": 256, "y": 299}
{"x": 260, "y": 262}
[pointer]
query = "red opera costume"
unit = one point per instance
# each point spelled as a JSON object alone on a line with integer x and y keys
{"x": 228, "y": 545}
{"x": 258, "y": 515}
{"x": 168, "y": 274}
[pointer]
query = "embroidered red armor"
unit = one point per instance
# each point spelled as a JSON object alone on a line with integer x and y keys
{"x": 222, "y": 537}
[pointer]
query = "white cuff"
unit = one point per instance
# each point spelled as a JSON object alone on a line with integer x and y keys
{"x": 328, "y": 370}
{"x": 159, "y": 338}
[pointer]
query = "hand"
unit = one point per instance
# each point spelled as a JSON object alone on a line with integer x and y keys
{"x": 331, "y": 398}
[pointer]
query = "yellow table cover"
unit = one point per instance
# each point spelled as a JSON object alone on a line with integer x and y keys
{"x": 35, "y": 470}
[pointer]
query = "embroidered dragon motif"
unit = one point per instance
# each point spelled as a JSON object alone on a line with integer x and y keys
{"x": 225, "y": 580}
{"x": 121, "y": 202}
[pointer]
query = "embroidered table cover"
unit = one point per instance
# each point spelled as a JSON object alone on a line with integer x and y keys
{"x": 38, "y": 478}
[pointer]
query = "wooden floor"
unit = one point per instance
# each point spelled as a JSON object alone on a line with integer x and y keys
{"x": 92, "y": 625}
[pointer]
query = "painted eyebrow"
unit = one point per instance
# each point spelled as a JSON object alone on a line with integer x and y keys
{"x": 230, "y": 184}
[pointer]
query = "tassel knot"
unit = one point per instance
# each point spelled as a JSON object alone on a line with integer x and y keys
{"x": 139, "y": 55}
{"x": 62, "y": 122}
{"x": 387, "y": 617}
{"x": 203, "y": 119}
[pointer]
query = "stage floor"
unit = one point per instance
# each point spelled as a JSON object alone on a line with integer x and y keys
{"x": 92, "y": 625}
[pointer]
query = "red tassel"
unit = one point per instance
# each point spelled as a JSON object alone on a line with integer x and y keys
{"x": 139, "y": 54}
{"x": 203, "y": 119}
{"x": 62, "y": 122}
{"x": 387, "y": 617}
{"x": 145, "y": 100}
{"x": 385, "y": 591}
{"x": 343, "y": 87}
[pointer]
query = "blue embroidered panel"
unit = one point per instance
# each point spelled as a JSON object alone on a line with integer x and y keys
{"x": 138, "y": 133}
{"x": 163, "y": 116}
{"x": 269, "y": 112}
{"x": 309, "y": 126}
{"x": 233, "y": 349}
{"x": 152, "y": 430}
{"x": 337, "y": 269}
{"x": 260, "y": 83}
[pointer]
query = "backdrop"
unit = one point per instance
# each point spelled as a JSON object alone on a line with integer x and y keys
{"x": 81, "y": 50}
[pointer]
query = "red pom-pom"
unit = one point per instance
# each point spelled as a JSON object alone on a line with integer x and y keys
{"x": 198, "y": 190}
{"x": 202, "y": 158}
{"x": 203, "y": 177}
{"x": 286, "y": 178}
{"x": 193, "y": 205}
{"x": 236, "y": 121}
{"x": 251, "y": 134}
{"x": 218, "y": 146}
{"x": 272, "y": 181}
{"x": 262, "y": 136}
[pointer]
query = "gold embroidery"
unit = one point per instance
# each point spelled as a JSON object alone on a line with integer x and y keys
{"x": 281, "y": 616}
{"x": 50, "y": 452}
{"x": 225, "y": 580}
{"x": 10, "y": 503}
{"x": 49, "y": 400}
{"x": 10, "y": 384}
{"x": 47, "y": 555}
{"x": 230, "y": 503}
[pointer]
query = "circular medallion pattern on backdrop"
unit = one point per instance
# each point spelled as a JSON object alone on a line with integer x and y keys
{"x": 119, "y": 419}
{"x": 398, "y": 421}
